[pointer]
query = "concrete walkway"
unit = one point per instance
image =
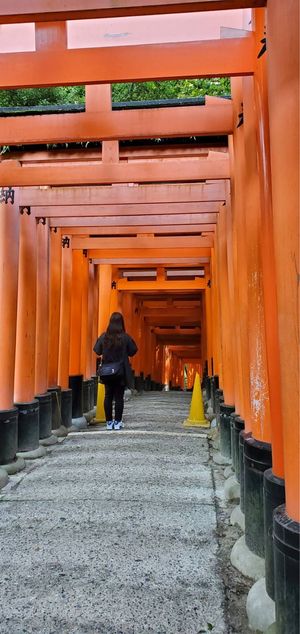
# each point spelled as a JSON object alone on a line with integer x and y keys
{"x": 115, "y": 532}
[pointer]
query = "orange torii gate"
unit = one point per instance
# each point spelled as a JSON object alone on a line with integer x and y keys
{"x": 249, "y": 314}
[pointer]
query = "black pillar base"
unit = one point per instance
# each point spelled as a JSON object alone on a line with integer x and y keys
{"x": 95, "y": 380}
{"x": 66, "y": 408}
{"x": 28, "y": 426}
{"x": 45, "y": 405}
{"x": 85, "y": 395}
{"x": 56, "y": 406}
{"x": 225, "y": 429}
{"x": 8, "y": 435}
{"x": 214, "y": 385}
{"x": 286, "y": 572}
{"x": 207, "y": 387}
{"x": 219, "y": 399}
{"x": 91, "y": 395}
{"x": 243, "y": 436}
{"x": 257, "y": 458}
{"x": 147, "y": 384}
{"x": 274, "y": 496}
{"x": 75, "y": 383}
{"x": 237, "y": 425}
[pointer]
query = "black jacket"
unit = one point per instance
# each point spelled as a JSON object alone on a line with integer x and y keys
{"x": 116, "y": 353}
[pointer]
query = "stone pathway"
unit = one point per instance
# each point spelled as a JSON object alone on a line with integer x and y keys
{"x": 115, "y": 532}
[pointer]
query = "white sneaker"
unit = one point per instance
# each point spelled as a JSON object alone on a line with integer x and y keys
{"x": 118, "y": 424}
{"x": 110, "y": 425}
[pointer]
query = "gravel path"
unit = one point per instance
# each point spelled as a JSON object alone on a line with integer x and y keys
{"x": 115, "y": 532}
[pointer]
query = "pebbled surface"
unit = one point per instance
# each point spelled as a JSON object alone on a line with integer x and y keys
{"x": 115, "y": 532}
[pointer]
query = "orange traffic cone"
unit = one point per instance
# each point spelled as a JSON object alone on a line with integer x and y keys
{"x": 196, "y": 416}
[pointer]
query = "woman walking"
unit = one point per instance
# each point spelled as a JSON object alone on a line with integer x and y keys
{"x": 115, "y": 346}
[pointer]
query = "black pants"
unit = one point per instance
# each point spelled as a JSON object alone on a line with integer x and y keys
{"x": 114, "y": 392}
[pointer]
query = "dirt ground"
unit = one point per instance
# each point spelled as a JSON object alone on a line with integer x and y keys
{"x": 236, "y": 586}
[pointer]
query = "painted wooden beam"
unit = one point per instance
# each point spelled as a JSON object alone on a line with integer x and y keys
{"x": 209, "y": 58}
{"x": 129, "y": 153}
{"x": 128, "y": 214}
{"x": 123, "y": 195}
{"x": 150, "y": 262}
{"x": 155, "y": 254}
{"x": 17, "y": 11}
{"x": 161, "y": 285}
{"x": 182, "y": 242}
{"x": 13, "y": 174}
{"x": 123, "y": 124}
{"x": 115, "y": 230}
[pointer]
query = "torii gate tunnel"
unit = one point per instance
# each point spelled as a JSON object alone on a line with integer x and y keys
{"x": 194, "y": 238}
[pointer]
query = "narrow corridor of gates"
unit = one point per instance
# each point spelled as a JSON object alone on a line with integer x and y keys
{"x": 115, "y": 532}
{"x": 183, "y": 215}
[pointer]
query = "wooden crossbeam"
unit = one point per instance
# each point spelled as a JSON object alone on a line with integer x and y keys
{"x": 145, "y": 243}
{"x": 122, "y": 195}
{"x": 149, "y": 262}
{"x": 13, "y": 174}
{"x": 169, "y": 320}
{"x": 40, "y": 11}
{"x": 127, "y": 214}
{"x": 161, "y": 285}
{"x": 171, "y": 313}
{"x": 131, "y": 124}
{"x": 115, "y": 230}
{"x": 209, "y": 58}
{"x": 155, "y": 254}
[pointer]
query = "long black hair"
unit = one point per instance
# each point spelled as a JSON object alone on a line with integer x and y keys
{"x": 115, "y": 331}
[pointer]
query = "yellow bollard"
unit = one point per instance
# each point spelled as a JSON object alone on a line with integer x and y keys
{"x": 100, "y": 414}
{"x": 196, "y": 416}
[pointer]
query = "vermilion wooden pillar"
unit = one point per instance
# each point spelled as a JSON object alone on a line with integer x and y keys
{"x": 42, "y": 306}
{"x": 127, "y": 306}
{"x": 24, "y": 390}
{"x": 209, "y": 325}
{"x": 115, "y": 299}
{"x": 105, "y": 280}
{"x": 283, "y": 81}
{"x": 76, "y": 313}
{"x": 42, "y": 334}
{"x": 75, "y": 368}
{"x": 136, "y": 333}
{"x": 166, "y": 367}
{"x": 65, "y": 313}
{"x": 84, "y": 315}
{"x": 258, "y": 379}
{"x": 267, "y": 248}
{"x": 96, "y": 311}
{"x": 225, "y": 311}
{"x": 238, "y": 177}
{"x": 91, "y": 310}
{"x": 86, "y": 342}
{"x": 216, "y": 319}
{"x": 9, "y": 260}
{"x": 54, "y": 306}
{"x": 26, "y": 317}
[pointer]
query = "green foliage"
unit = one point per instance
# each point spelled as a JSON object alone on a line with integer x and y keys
{"x": 150, "y": 90}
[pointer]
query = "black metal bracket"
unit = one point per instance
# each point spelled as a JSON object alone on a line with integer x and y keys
{"x": 41, "y": 221}
{"x": 263, "y": 49}
{"x": 240, "y": 117}
{"x": 65, "y": 241}
{"x": 25, "y": 210}
{"x": 7, "y": 194}
{"x": 84, "y": 253}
